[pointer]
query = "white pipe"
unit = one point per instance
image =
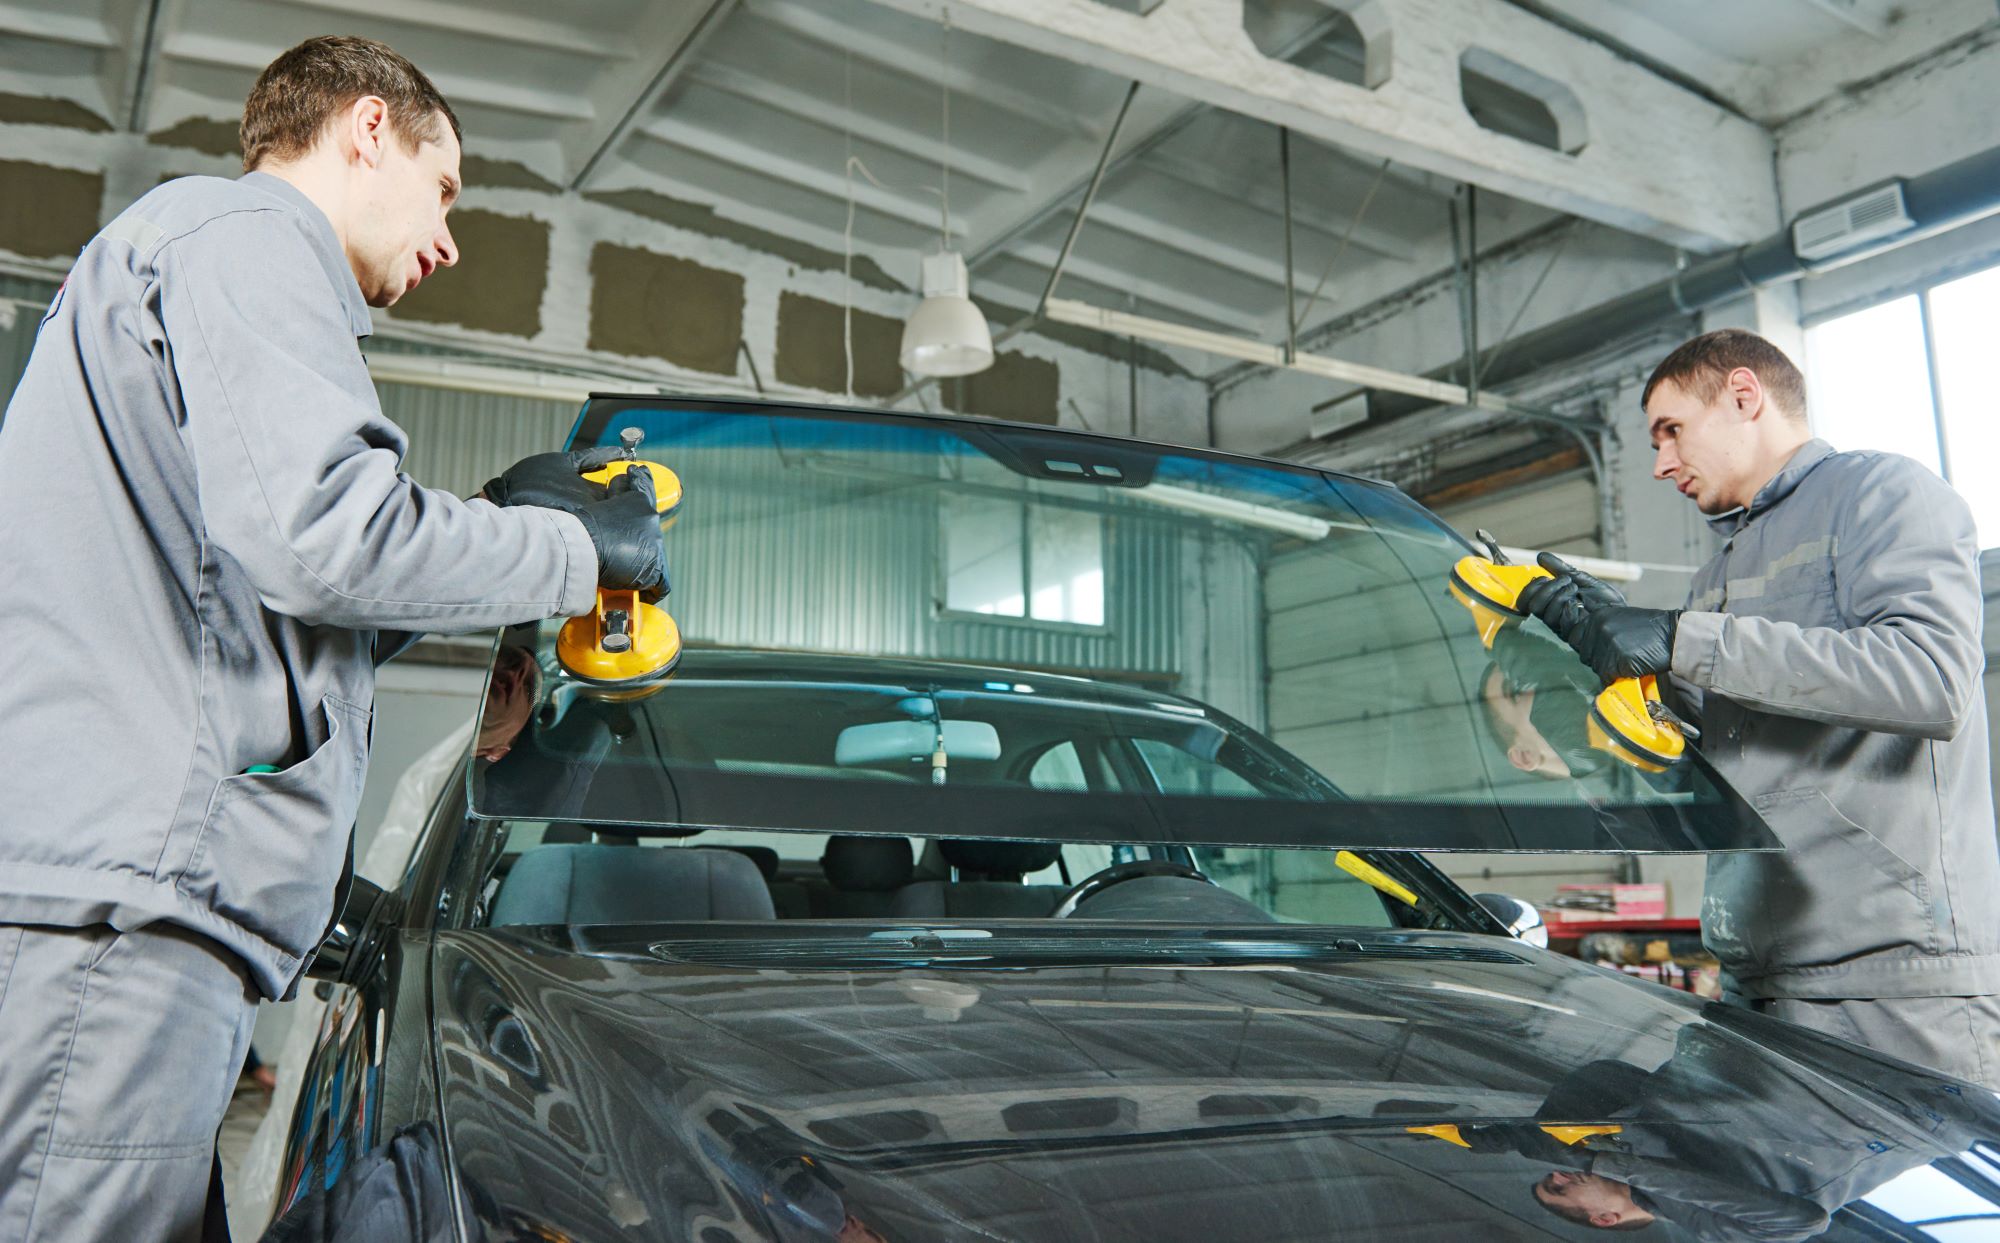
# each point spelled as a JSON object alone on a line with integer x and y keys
{"x": 1164, "y": 332}
{"x": 1612, "y": 571}
{"x": 429, "y": 372}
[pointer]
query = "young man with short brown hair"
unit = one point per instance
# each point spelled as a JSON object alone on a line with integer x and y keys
{"x": 1831, "y": 652}
{"x": 210, "y": 545}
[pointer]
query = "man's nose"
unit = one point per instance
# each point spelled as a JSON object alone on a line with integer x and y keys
{"x": 447, "y": 249}
{"x": 1665, "y": 462}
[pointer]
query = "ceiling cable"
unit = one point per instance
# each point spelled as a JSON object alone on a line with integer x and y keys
{"x": 1345, "y": 238}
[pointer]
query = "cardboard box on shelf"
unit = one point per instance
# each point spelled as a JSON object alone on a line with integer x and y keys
{"x": 1583, "y": 903}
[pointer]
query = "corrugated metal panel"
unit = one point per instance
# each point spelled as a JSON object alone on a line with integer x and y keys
{"x": 458, "y": 441}
{"x": 777, "y": 554}
{"x": 1560, "y": 512}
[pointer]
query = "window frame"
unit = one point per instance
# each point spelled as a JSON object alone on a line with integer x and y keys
{"x": 1026, "y": 618}
{"x": 1926, "y": 319}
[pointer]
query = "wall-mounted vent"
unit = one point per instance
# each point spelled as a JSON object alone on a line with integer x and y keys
{"x": 1866, "y": 217}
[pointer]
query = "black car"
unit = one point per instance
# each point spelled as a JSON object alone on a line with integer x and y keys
{"x": 1031, "y": 845}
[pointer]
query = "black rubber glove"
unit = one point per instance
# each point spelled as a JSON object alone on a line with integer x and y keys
{"x": 625, "y": 530}
{"x": 552, "y": 480}
{"x": 1566, "y": 600}
{"x": 1621, "y": 641}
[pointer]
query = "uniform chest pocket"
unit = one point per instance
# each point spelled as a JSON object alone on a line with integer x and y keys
{"x": 1802, "y": 594}
{"x": 272, "y": 844}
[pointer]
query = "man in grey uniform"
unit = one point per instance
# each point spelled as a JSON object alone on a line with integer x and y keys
{"x": 207, "y": 544}
{"x": 1831, "y": 653}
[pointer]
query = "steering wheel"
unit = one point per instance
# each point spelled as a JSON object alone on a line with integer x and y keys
{"x": 1099, "y": 881}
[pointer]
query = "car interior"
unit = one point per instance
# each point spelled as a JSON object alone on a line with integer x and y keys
{"x": 575, "y": 874}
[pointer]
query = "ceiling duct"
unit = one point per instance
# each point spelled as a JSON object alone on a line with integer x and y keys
{"x": 1829, "y": 232}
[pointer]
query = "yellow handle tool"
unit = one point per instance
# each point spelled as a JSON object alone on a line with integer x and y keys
{"x": 1570, "y": 1135}
{"x": 1627, "y": 721}
{"x": 623, "y": 640}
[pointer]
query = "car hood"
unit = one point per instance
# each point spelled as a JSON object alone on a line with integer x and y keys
{"x": 1142, "y": 1083}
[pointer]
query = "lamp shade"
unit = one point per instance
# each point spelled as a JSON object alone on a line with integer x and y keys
{"x": 946, "y": 335}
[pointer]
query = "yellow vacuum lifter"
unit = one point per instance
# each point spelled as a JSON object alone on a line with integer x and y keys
{"x": 623, "y": 640}
{"x": 1627, "y": 721}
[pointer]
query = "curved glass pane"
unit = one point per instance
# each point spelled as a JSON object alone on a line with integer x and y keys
{"x": 940, "y": 627}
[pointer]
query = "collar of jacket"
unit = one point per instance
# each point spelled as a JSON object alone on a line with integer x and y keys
{"x": 326, "y": 244}
{"x": 1793, "y": 473}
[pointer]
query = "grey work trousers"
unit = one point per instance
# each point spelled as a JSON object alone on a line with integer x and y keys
{"x": 1959, "y": 1036}
{"x": 118, "y": 1054}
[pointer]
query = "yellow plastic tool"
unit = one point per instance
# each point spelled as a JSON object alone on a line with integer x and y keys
{"x": 1627, "y": 720}
{"x": 666, "y": 484}
{"x": 1374, "y": 877}
{"x": 623, "y": 640}
{"x": 1571, "y": 1135}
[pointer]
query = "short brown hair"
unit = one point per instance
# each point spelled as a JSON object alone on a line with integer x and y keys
{"x": 298, "y": 93}
{"x": 1700, "y": 367}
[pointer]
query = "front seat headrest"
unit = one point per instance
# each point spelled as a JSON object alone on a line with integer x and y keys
{"x": 596, "y": 884}
{"x": 998, "y": 860}
{"x": 867, "y": 864}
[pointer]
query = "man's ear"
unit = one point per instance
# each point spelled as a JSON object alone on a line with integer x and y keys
{"x": 1605, "y": 1219}
{"x": 1746, "y": 393}
{"x": 368, "y": 128}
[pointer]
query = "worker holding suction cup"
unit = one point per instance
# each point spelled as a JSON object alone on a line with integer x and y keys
{"x": 1830, "y": 649}
{"x": 626, "y": 639}
{"x": 1626, "y": 719}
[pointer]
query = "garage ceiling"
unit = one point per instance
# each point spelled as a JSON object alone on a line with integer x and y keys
{"x": 752, "y": 107}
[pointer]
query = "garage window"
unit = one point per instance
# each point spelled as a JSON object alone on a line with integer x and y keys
{"x": 1918, "y": 376}
{"x": 1006, "y": 559}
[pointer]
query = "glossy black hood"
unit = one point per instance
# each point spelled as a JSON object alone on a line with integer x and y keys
{"x": 717, "y": 1082}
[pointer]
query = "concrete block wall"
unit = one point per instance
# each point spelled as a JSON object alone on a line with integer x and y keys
{"x": 623, "y": 282}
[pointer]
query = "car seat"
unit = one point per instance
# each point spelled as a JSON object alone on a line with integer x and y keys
{"x": 988, "y": 885}
{"x": 863, "y": 875}
{"x": 594, "y": 884}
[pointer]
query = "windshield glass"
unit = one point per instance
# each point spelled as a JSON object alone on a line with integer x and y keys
{"x": 943, "y": 627}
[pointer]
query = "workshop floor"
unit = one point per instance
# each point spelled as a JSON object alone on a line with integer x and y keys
{"x": 239, "y": 1123}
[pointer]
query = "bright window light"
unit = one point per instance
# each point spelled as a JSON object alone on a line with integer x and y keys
{"x": 1005, "y": 559}
{"x": 1965, "y": 332}
{"x": 1868, "y": 382}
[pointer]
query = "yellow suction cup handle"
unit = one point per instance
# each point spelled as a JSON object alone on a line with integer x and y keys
{"x": 666, "y": 484}
{"x": 1446, "y": 1131}
{"x": 1624, "y": 725}
{"x": 1490, "y": 590}
{"x": 1574, "y": 1135}
{"x": 622, "y": 641}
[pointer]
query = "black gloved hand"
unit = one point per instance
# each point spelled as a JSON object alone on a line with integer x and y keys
{"x": 1566, "y": 600}
{"x": 553, "y": 480}
{"x": 625, "y": 530}
{"x": 1622, "y": 641}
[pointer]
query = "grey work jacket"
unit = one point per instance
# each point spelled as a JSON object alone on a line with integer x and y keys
{"x": 205, "y": 528}
{"x": 1835, "y": 645}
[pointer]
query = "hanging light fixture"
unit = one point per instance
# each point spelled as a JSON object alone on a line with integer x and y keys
{"x": 947, "y": 335}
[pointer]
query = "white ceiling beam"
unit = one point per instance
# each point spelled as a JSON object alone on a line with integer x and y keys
{"x": 626, "y": 93}
{"x": 818, "y": 178}
{"x": 78, "y": 31}
{"x": 1659, "y": 160}
{"x": 1871, "y": 17}
{"x": 926, "y": 65}
{"x": 1124, "y": 280}
{"x": 251, "y": 58}
{"x": 830, "y": 114}
{"x": 1266, "y": 198}
{"x": 491, "y": 22}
